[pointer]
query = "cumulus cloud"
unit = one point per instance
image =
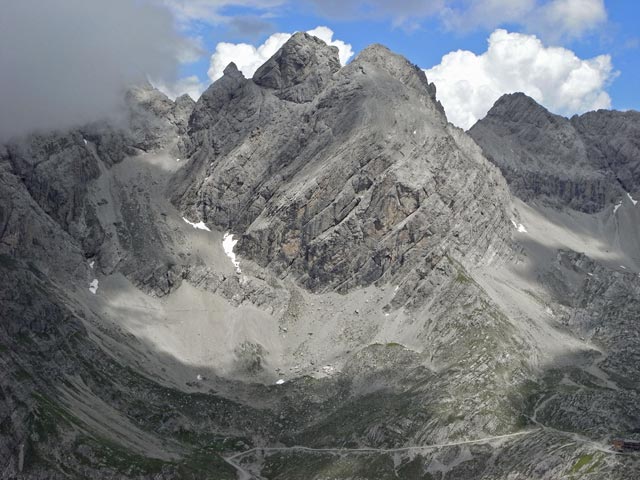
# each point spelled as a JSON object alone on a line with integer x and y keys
{"x": 469, "y": 84}
{"x": 570, "y": 18}
{"x": 554, "y": 20}
{"x": 248, "y": 58}
{"x": 67, "y": 62}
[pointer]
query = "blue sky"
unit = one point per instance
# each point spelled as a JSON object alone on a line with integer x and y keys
{"x": 67, "y": 62}
{"x": 425, "y": 31}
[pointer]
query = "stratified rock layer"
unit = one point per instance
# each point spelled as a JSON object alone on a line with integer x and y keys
{"x": 585, "y": 163}
{"x": 344, "y": 177}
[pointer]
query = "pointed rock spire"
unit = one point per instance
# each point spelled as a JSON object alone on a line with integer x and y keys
{"x": 300, "y": 69}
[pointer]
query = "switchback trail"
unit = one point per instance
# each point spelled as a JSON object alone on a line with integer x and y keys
{"x": 245, "y": 475}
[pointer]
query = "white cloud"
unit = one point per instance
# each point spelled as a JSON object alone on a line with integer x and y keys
{"x": 189, "y": 85}
{"x": 248, "y": 58}
{"x": 487, "y": 13}
{"x": 469, "y": 84}
{"x": 211, "y": 10}
{"x": 571, "y": 18}
{"x": 345, "y": 52}
{"x": 67, "y": 62}
{"x": 554, "y": 20}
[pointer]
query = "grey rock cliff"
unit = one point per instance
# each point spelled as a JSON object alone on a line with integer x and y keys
{"x": 300, "y": 69}
{"x": 586, "y": 162}
{"x": 392, "y": 293}
{"x": 362, "y": 182}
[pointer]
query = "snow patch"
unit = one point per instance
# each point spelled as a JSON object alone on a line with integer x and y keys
{"x": 519, "y": 227}
{"x": 622, "y": 266}
{"x": 177, "y": 159}
{"x": 228, "y": 243}
{"x": 200, "y": 225}
{"x": 617, "y": 206}
{"x": 85, "y": 141}
{"x": 91, "y": 264}
{"x": 93, "y": 286}
{"x": 199, "y": 378}
{"x": 635, "y": 202}
{"x": 415, "y": 131}
{"x": 280, "y": 382}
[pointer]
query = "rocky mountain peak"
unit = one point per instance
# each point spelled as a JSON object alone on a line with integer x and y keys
{"x": 326, "y": 266}
{"x": 519, "y": 107}
{"x": 586, "y": 163}
{"x": 231, "y": 70}
{"x": 379, "y": 57}
{"x": 343, "y": 177}
{"x": 300, "y": 69}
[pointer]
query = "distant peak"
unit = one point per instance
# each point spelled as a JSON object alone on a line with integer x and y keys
{"x": 300, "y": 69}
{"x": 518, "y": 98}
{"x": 376, "y": 49}
{"x": 381, "y": 58}
{"x": 518, "y": 106}
{"x": 185, "y": 99}
{"x": 231, "y": 70}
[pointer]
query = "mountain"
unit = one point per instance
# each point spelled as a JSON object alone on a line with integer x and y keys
{"x": 312, "y": 274}
{"x": 586, "y": 163}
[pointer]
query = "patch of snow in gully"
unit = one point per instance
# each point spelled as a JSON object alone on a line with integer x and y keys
{"x": 200, "y": 225}
{"x": 228, "y": 243}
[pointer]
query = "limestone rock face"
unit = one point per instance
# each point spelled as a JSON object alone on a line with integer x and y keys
{"x": 57, "y": 168}
{"x": 363, "y": 182}
{"x": 585, "y": 163}
{"x": 300, "y": 69}
{"x": 387, "y": 293}
{"x": 155, "y": 120}
{"x": 612, "y": 140}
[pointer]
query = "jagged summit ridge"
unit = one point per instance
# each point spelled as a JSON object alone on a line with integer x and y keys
{"x": 337, "y": 182}
{"x": 587, "y": 162}
{"x": 385, "y": 300}
{"x": 300, "y": 69}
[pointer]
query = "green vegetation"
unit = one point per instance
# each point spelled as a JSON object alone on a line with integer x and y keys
{"x": 582, "y": 461}
{"x": 462, "y": 278}
{"x": 205, "y": 463}
{"x": 49, "y": 416}
{"x": 24, "y": 338}
{"x": 414, "y": 469}
{"x": 105, "y": 453}
{"x": 596, "y": 464}
{"x": 8, "y": 262}
{"x": 20, "y": 375}
{"x": 204, "y": 460}
{"x": 305, "y": 465}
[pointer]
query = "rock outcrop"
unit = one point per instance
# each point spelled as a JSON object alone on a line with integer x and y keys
{"x": 344, "y": 177}
{"x": 300, "y": 69}
{"x": 386, "y": 292}
{"x": 586, "y": 163}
